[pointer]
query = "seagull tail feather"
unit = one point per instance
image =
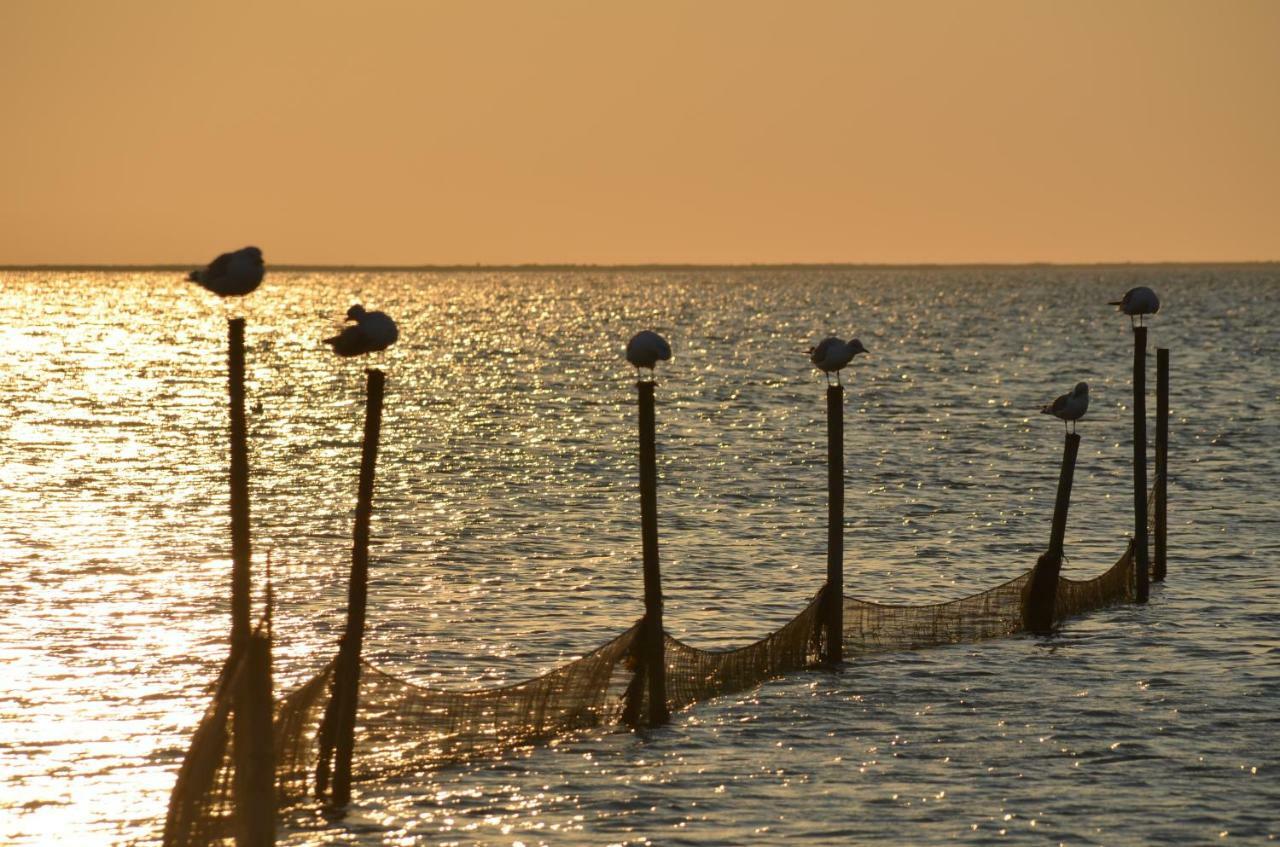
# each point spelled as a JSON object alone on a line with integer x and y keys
{"x": 1115, "y": 302}
{"x": 194, "y": 276}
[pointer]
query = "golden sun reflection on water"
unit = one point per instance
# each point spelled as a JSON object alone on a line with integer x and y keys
{"x": 505, "y": 542}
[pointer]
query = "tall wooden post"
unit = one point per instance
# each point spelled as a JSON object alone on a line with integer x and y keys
{"x": 240, "y": 624}
{"x": 1141, "y": 561}
{"x": 1160, "y": 565}
{"x": 253, "y": 747}
{"x": 833, "y": 600}
{"x": 1037, "y": 610}
{"x": 337, "y": 734}
{"x": 652, "y": 650}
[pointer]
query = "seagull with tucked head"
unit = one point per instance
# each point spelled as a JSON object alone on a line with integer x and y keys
{"x": 232, "y": 274}
{"x": 1138, "y": 302}
{"x": 831, "y": 355}
{"x": 645, "y": 349}
{"x": 1070, "y": 407}
{"x": 371, "y": 332}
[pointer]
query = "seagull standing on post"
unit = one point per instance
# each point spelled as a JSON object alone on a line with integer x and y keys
{"x": 645, "y": 349}
{"x": 1070, "y": 407}
{"x": 231, "y": 274}
{"x": 831, "y": 355}
{"x": 371, "y": 332}
{"x": 1138, "y": 302}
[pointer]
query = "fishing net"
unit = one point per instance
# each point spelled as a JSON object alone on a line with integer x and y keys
{"x": 404, "y": 728}
{"x": 200, "y": 808}
{"x": 694, "y": 675}
{"x": 1110, "y": 588}
{"x": 407, "y": 727}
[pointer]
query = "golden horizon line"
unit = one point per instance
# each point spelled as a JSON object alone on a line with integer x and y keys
{"x": 533, "y": 266}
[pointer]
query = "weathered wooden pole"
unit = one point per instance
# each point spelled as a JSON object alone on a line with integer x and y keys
{"x": 337, "y": 733}
{"x": 652, "y": 647}
{"x": 833, "y": 598}
{"x": 1066, "y": 475}
{"x": 240, "y": 624}
{"x": 253, "y": 747}
{"x": 1141, "y": 563}
{"x": 1037, "y": 610}
{"x": 1160, "y": 566}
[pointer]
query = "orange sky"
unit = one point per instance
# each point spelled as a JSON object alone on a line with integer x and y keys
{"x": 610, "y": 132}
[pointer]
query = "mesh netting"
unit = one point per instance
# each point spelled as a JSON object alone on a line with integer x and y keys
{"x": 694, "y": 675}
{"x": 406, "y": 728}
{"x": 200, "y": 806}
{"x": 1115, "y": 586}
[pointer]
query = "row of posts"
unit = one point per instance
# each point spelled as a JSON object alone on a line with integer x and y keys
{"x": 1039, "y": 605}
{"x": 249, "y": 665}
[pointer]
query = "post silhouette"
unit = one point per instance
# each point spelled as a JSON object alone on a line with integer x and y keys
{"x": 1141, "y": 561}
{"x": 337, "y": 731}
{"x": 253, "y": 746}
{"x": 1160, "y": 565}
{"x": 1037, "y": 608}
{"x": 651, "y": 650}
{"x": 833, "y": 596}
{"x": 240, "y": 614}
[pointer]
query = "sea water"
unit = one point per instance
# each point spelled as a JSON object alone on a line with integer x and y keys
{"x": 506, "y": 541}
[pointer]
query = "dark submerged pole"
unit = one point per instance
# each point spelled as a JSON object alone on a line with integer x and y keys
{"x": 1042, "y": 593}
{"x": 337, "y": 733}
{"x": 253, "y": 747}
{"x": 1160, "y": 567}
{"x": 240, "y": 625}
{"x": 651, "y": 638}
{"x": 1141, "y": 563}
{"x": 833, "y": 600}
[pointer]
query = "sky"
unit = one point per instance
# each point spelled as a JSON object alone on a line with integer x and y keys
{"x": 377, "y": 132}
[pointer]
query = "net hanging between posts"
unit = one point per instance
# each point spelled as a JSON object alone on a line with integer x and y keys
{"x": 404, "y": 728}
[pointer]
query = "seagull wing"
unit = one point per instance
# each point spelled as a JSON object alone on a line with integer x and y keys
{"x": 350, "y": 342}
{"x": 818, "y": 355}
{"x": 1056, "y": 406}
{"x": 219, "y": 266}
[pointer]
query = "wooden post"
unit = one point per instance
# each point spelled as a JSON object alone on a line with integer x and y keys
{"x": 240, "y": 624}
{"x": 1037, "y": 609}
{"x": 1141, "y": 563}
{"x": 652, "y": 648}
{"x": 833, "y": 598}
{"x": 1160, "y": 567}
{"x": 337, "y": 734}
{"x": 253, "y": 747}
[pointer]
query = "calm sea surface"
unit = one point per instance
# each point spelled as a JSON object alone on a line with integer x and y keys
{"x": 506, "y": 541}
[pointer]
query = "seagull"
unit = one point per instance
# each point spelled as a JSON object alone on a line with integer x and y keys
{"x": 372, "y": 331}
{"x": 1070, "y": 407}
{"x": 231, "y": 274}
{"x": 832, "y": 354}
{"x": 645, "y": 349}
{"x": 1138, "y": 302}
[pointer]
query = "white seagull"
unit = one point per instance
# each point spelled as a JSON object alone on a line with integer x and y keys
{"x": 832, "y": 354}
{"x": 232, "y": 274}
{"x": 1138, "y": 302}
{"x": 645, "y": 349}
{"x": 371, "y": 332}
{"x": 1070, "y": 407}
